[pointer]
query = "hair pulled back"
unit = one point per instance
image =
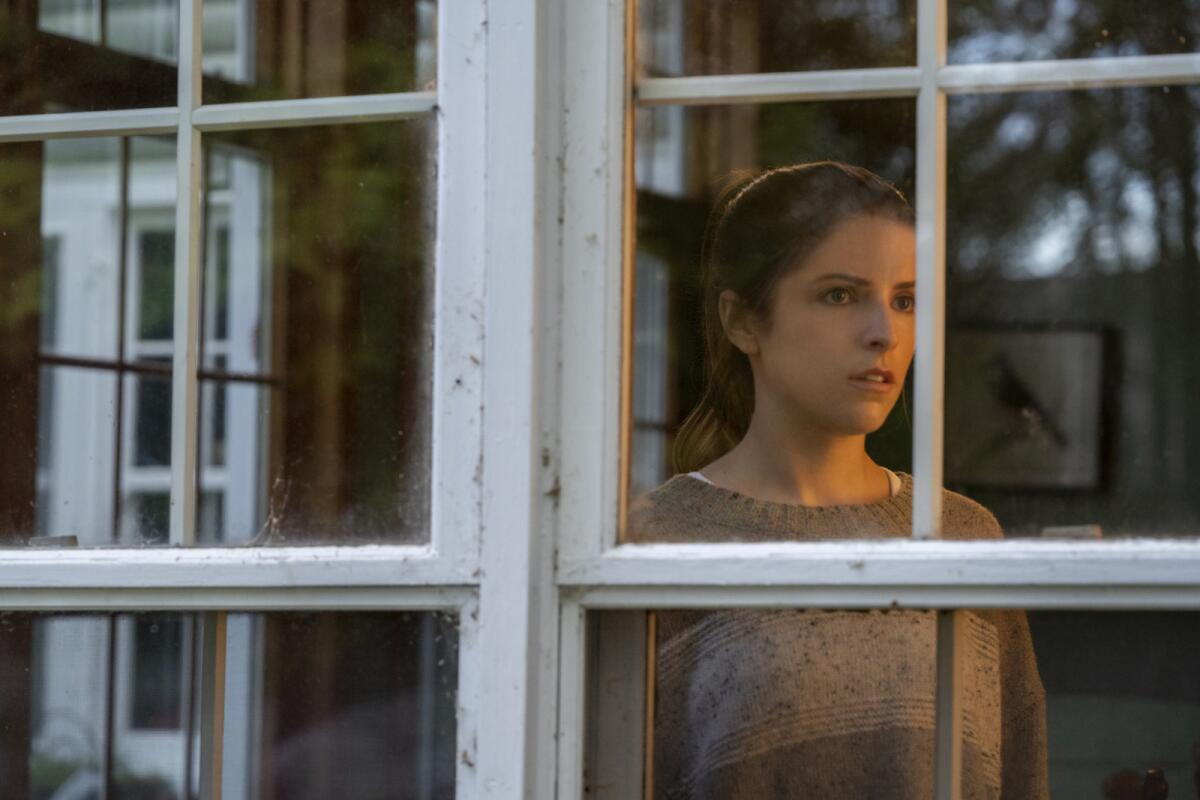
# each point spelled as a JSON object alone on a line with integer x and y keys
{"x": 762, "y": 227}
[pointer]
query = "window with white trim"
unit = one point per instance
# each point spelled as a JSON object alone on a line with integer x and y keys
{"x": 325, "y": 576}
{"x": 1011, "y": 127}
{"x": 240, "y": 515}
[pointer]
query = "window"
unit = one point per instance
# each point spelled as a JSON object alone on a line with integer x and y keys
{"x": 339, "y": 337}
{"x": 250, "y": 311}
{"x": 704, "y": 89}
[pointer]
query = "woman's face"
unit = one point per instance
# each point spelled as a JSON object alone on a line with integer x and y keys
{"x": 839, "y": 338}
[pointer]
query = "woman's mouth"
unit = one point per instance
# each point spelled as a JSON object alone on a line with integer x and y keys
{"x": 873, "y": 380}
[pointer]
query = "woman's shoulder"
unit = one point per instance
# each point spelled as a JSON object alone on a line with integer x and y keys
{"x": 964, "y": 518}
{"x": 661, "y": 514}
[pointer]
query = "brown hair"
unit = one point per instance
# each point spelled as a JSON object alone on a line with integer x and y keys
{"x": 762, "y": 227}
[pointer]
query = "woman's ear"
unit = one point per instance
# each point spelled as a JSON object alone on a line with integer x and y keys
{"x": 738, "y": 322}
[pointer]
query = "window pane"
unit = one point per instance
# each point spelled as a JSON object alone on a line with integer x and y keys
{"x": 692, "y": 37}
{"x": 806, "y": 703}
{"x": 1122, "y": 698}
{"x": 685, "y": 157}
{"x": 318, "y": 332}
{"x": 94, "y": 705}
{"x": 269, "y": 50}
{"x": 315, "y": 706}
{"x": 1072, "y": 288}
{"x": 1031, "y": 30}
{"x": 86, "y": 292}
{"x": 60, "y": 55}
{"x": 796, "y": 703}
{"x": 358, "y": 705}
{"x": 69, "y": 474}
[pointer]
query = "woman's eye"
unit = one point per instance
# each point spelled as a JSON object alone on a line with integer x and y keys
{"x": 838, "y": 296}
{"x": 905, "y": 302}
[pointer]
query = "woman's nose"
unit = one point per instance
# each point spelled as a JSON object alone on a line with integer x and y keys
{"x": 880, "y": 333}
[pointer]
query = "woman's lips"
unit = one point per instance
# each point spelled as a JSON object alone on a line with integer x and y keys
{"x": 878, "y": 387}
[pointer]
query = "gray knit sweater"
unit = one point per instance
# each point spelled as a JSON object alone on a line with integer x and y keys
{"x": 830, "y": 704}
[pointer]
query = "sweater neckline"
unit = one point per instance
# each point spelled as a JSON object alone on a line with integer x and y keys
{"x": 733, "y": 509}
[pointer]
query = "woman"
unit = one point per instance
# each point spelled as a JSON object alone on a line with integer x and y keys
{"x": 809, "y": 280}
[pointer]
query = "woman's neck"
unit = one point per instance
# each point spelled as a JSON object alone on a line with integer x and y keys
{"x": 801, "y": 467}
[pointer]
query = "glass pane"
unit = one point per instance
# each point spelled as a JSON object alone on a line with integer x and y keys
{"x": 316, "y": 705}
{"x": 87, "y": 55}
{"x": 238, "y": 501}
{"x": 1031, "y": 30}
{"x": 69, "y": 474}
{"x": 694, "y": 37}
{"x": 318, "y": 332}
{"x": 1122, "y": 698}
{"x": 1072, "y": 289}
{"x": 94, "y": 705}
{"x": 341, "y": 705}
{"x": 806, "y": 703}
{"x": 146, "y": 459}
{"x": 685, "y": 157}
{"x": 269, "y": 50}
{"x": 796, "y": 703}
{"x": 86, "y": 295}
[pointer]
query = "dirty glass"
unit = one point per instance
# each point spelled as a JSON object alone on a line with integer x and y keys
{"x": 95, "y": 706}
{"x": 1035, "y": 30}
{"x": 317, "y": 335}
{"x": 822, "y": 703}
{"x": 805, "y": 703}
{"x": 267, "y": 50}
{"x": 1072, "y": 296}
{"x": 316, "y": 705}
{"x": 86, "y": 292}
{"x": 691, "y": 37}
{"x": 685, "y": 159}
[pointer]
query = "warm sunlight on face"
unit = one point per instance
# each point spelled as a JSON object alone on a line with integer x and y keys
{"x": 839, "y": 340}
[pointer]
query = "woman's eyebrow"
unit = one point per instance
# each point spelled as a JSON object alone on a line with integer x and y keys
{"x": 858, "y": 281}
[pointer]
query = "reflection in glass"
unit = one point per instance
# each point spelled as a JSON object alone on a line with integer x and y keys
{"x": 356, "y": 705}
{"x": 683, "y": 157}
{"x": 317, "y": 333}
{"x": 73, "y": 463}
{"x": 1073, "y": 289}
{"x": 264, "y": 50}
{"x": 86, "y": 292}
{"x": 93, "y": 706}
{"x": 694, "y": 37}
{"x": 316, "y": 706}
{"x": 1122, "y": 697}
{"x": 86, "y": 55}
{"x": 1031, "y": 30}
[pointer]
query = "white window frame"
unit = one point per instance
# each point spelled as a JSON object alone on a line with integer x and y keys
{"x": 532, "y": 104}
{"x": 471, "y": 252}
{"x": 595, "y": 573}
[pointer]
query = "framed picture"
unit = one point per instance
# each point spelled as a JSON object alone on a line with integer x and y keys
{"x": 1023, "y": 408}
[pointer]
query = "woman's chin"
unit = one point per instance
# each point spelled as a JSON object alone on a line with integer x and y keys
{"x": 860, "y": 424}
